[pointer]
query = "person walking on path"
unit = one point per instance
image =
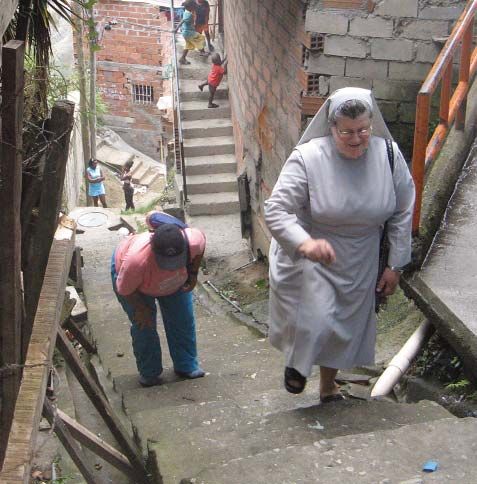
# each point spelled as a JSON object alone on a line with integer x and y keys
{"x": 326, "y": 214}
{"x": 128, "y": 187}
{"x": 193, "y": 40}
{"x": 219, "y": 68}
{"x": 202, "y": 13}
{"x": 160, "y": 266}
{"x": 96, "y": 178}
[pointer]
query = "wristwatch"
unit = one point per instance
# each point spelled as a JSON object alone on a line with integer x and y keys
{"x": 399, "y": 270}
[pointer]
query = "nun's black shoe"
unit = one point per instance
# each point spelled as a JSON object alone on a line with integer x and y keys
{"x": 294, "y": 381}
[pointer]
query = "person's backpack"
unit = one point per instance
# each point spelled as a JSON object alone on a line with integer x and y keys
{"x": 156, "y": 219}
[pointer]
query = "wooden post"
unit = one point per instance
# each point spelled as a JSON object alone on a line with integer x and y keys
{"x": 102, "y": 405}
{"x": 10, "y": 233}
{"x": 59, "y": 128}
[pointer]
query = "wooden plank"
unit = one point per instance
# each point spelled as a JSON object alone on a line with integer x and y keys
{"x": 71, "y": 326}
{"x": 97, "y": 445}
{"x": 71, "y": 446}
{"x": 22, "y": 438}
{"x": 75, "y": 271}
{"x": 97, "y": 398}
{"x": 10, "y": 233}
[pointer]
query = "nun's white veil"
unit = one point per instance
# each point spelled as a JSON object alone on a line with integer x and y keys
{"x": 319, "y": 126}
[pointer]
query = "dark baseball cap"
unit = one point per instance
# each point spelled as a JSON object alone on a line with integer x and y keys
{"x": 169, "y": 247}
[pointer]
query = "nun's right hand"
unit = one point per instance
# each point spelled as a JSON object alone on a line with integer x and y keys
{"x": 317, "y": 250}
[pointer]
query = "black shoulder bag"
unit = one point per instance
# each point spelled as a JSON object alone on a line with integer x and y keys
{"x": 384, "y": 243}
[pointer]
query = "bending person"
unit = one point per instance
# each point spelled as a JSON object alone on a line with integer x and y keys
{"x": 326, "y": 214}
{"x": 160, "y": 266}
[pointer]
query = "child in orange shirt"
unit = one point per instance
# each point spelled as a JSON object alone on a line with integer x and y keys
{"x": 219, "y": 68}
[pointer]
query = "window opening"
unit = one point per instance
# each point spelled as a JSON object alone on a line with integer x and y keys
{"x": 317, "y": 42}
{"x": 313, "y": 84}
{"x": 142, "y": 94}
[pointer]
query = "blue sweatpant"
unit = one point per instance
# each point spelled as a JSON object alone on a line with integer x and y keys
{"x": 177, "y": 312}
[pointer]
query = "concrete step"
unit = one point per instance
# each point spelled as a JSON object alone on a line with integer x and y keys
{"x": 217, "y": 434}
{"x": 205, "y": 128}
{"x": 113, "y": 156}
{"x": 150, "y": 177}
{"x": 204, "y": 165}
{"x": 198, "y": 69}
{"x": 221, "y": 182}
{"x": 218, "y": 204}
{"x": 218, "y": 145}
{"x": 140, "y": 174}
{"x": 386, "y": 456}
{"x": 193, "y": 110}
{"x": 138, "y": 167}
{"x": 189, "y": 90}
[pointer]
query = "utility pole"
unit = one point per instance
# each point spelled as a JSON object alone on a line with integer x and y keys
{"x": 93, "y": 47}
{"x": 85, "y": 139}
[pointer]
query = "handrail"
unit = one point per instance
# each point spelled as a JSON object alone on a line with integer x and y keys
{"x": 177, "y": 108}
{"x": 451, "y": 107}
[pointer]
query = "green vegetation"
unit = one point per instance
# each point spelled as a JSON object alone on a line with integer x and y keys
{"x": 147, "y": 208}
{"x": 262, "y": 284}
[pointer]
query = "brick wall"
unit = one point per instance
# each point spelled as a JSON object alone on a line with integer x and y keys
{"x": 263, "y": 41}
{"x": 131, "y": 55}
{"x": 387, "y": 45}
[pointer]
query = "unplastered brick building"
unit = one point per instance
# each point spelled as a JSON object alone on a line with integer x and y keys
{"x": 130, "y": 70}
{"x": 287, "y": 56}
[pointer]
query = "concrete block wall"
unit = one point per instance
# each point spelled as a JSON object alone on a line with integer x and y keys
{"x": 385, "y": 45}
{"x": 131, "y": 54}
{"x": 263, "y": 41}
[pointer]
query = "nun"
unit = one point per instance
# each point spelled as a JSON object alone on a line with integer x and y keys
{"x": 326, "y": 214}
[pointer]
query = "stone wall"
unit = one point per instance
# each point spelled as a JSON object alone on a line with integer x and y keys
{"x": 131, "y": 55}
{"x": 286, "y": 57}
{"x": 388, "y": 46}
{"x": 263, "y": 42}
{"x": 74, "y": 175}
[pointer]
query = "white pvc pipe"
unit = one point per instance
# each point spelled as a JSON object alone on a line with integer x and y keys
{"x": 401, "y": 362}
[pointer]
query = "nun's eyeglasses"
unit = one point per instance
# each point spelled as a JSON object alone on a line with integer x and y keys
{"x": 349, "y": 133}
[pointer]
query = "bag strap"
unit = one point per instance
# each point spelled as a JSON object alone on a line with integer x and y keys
{"x": 390, "y": 152}
{"x": 389, "y": 149}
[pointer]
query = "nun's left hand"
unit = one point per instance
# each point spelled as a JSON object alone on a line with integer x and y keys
{"x": 388, "y": 282}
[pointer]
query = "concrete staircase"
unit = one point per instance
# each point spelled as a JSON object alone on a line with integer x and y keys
{"x": 144, "y": 171}
{"x": 208, "y": 144}
{"x": 237, "y": 425}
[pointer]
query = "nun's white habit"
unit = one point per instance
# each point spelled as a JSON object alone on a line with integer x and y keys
{"x": 324, "y": 314}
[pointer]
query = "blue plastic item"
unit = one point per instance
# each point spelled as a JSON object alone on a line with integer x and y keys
{"x": 430, "y": 466}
